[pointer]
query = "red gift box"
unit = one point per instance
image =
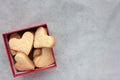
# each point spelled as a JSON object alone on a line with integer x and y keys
{"x": 10, "y": 58}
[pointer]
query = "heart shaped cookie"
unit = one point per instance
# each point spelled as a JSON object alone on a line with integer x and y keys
{"x": 36, "y": 52}
{"x": 23, "y": 62}
{"x": 42, "y": 39}
{"x": 13, "y": 52}
{"x": 45, "y": 59}
{"x": 23, "y": 44}
{"x": 14, "y": 35}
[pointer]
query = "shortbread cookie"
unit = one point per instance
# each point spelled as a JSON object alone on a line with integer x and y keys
{"x": 13, "y": 52}
{"x": 45, "y": 59}
{"x": 23, "y": 62}
{"x": 42, "y": 39}
{"x": 23, "y": 44}
{"x": 36, "y": 52}
{"x": 14, "y": 35}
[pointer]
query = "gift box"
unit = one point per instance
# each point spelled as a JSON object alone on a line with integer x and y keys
{"x": 10, "y": 57}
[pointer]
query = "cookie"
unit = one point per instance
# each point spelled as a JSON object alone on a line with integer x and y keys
{"x": 14, "y": 35}
{"x": 42, "y": 39}
{"x": 45, "y": 59}
{"x": 23, "y": 62}
{"x": 36, "y": 52}
{"x": 23, "y": 44}
{"x": 13, "y": 52}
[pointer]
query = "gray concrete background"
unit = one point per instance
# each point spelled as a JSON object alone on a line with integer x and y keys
{"x": 87, "y": 33}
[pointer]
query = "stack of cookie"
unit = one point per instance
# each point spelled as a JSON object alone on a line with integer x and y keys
{"x": 37, "y": 43}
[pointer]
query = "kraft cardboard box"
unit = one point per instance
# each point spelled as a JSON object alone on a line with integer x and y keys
{"x": 11, "y": 58}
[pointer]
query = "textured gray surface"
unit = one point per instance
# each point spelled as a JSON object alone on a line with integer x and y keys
{"x": 87, "y": 33}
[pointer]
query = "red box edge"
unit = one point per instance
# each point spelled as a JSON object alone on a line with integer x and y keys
{"x": 8, "y": 55}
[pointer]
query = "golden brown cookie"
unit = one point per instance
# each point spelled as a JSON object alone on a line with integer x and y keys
{"x": 45, "y": 59}
{"x": 36, "y": 52}
{"x": 14, "y": 35}
{"x": 23, "y": 44}
{"x": 42, "y": 39}
{"x": 23, "y": 62}
{"x": 13, "y": 52}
